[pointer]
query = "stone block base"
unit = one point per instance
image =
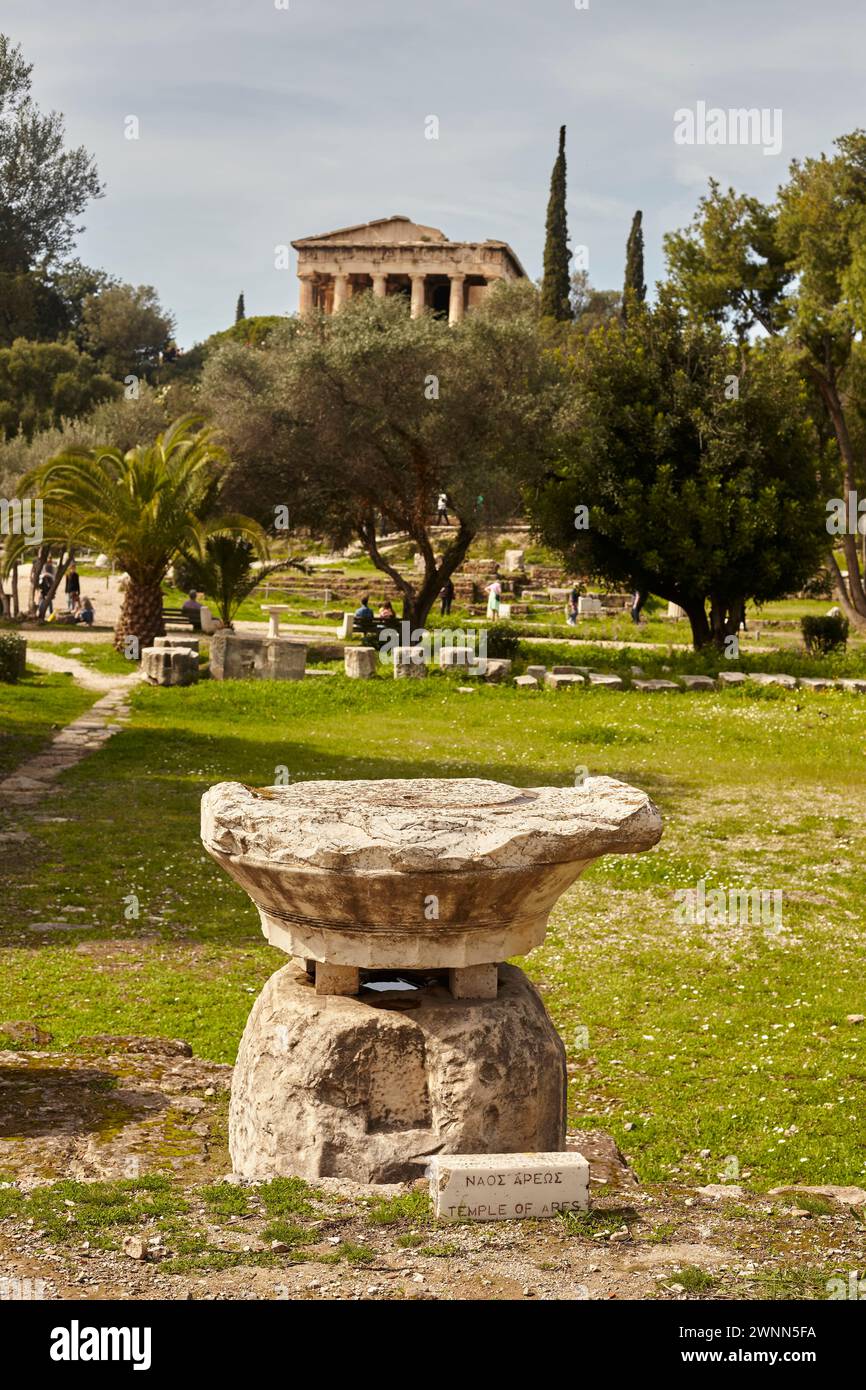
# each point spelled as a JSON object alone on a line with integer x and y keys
{"x": 360, "y": 662}
{"x": 369, "y": 1088}
{"x": 239, "y": 656}
{"x": 169, "y": 665}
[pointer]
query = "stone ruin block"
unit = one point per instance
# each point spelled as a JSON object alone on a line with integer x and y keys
{"x": 409, "y": 662}
{"x": 360, "y": 662}
{"x": 171, "y": 640}
{"x": 169, "y": 665}
{"x": 236, "y": 656}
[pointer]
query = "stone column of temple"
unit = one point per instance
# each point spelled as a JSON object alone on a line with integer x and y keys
{"x": 341, "y": 291}
{"x": 417, "y": 307}
{"x": 455, "y": 300}
{"x": 380, "y": 283}
{"x": 305, "y": 301}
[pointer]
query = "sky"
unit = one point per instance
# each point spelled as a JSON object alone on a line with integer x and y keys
{"x": 261, "y": 121}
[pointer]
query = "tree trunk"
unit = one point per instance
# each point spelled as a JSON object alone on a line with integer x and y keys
{"x": 695, "y": 610}
{"x": 855, "y": 595}
{"x": 140, "y": 616}
{"x": 417, "y": 602}
{"x": 35, "y": 570}
{"x": 842, "y": 594}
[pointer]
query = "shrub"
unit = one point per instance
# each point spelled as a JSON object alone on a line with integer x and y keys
{"x": 503, "y": 640}
{"x": 13, "y": 657}
{"x": 824, "y": 635}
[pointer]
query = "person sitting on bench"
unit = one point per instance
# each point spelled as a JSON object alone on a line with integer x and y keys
{"x": 364, "y": 618}
{"x": 191, "y": 608}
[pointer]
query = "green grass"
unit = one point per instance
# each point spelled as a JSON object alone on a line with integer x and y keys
{"x": 730, "y": 1039}
{"x": 693, "y": 1280}
{"x": 409, "y": 1206}
{"x": 33, "y": 711}
{"x": 97, "y": 1211}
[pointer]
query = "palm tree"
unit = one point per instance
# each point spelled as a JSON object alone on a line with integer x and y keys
{"x": 141, "y": 508}
{"x": 223, "y": 566}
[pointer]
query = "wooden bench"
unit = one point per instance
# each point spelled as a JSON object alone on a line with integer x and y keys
{"x": 177, "y": 615}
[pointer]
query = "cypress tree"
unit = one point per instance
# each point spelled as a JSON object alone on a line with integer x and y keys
{"x": 555, "y": 300}
{"x": 240, "y": 311}
{"x": 634, "y": 289}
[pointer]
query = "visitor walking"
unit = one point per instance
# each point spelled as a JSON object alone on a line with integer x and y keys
{"x": 494, "y": 598}
{"x": 638, "y": 600}
{"x": 46, "y": 584}
{"x": 442, "y": 510}
{"x": 571, "y": 613}
{"x": 73, "y": 588}
{"x": 446, "y": 594}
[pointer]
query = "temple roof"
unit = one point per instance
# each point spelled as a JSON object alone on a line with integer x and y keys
{"x": 397, "y": 230}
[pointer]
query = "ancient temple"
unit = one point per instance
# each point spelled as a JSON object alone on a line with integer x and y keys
{"x": 397, "y": 256}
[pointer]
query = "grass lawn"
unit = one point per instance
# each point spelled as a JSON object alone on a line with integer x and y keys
{"x": 32, "y": 711}
{"x": 99, "y": 656}
{"x": 727, "y": 1039}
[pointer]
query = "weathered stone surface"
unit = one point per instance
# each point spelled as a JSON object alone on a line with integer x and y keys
{"x": 773, "y": 678}
{"x": 343, "y": 1087}
{"x": 360, "y": 662}
{"x": 457, "y": 656}
{"x": 845, "y": 1196}
{"x": 814, "y": 683}
{"x": 603, "y": 678}
{"x": 336, "y": 979}
{"x": 133, "y": 1042}
{"x": 502, "y": 1187}
{"x": 190, "y": 643}
{"x": 474, "y": 982}
{"x": 562, "y": 682}
{"x": 514, "y": 561}
{"x": 537, "y": 671}
{"x": 569, "y": 670}
{"x": 497, "y": 669}
{"x": 242, "y": 656}
{"x": 697, "y": 682}
{"x": 608, "y": 1167}
{"x": 409, "y": 662}
{"x": 847, "y": 683}
{"x": 650, "y": 686}
{"x": 346, "y": 871}
{"x": 111, "y": 1114}
{"x": 16, "y": 1033}
{"x": 526, "y": 682}
{"x": 732, "y": 677}
{"x": 169, "y": 665}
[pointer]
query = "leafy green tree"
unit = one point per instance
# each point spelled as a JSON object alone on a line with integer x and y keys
{"x": 240, "y": 309}
{"x": 555, "y": 300}
{"x": 797, "y": 269}
{"x": 634, "y": 288}
{"x": 126, "y": 329}
{"x": 592, "y": 308}
{"x": 141, "y": 508}
{"x": 44, "y": 187}
{"x": 696, "y": 465}
{"x": 366, "y": 416}
{"x": 43, "y": 383}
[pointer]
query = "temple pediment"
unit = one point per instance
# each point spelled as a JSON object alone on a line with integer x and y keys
{"x": 385, "y": 231}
